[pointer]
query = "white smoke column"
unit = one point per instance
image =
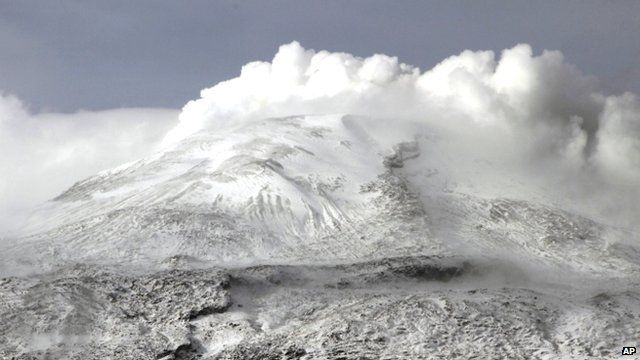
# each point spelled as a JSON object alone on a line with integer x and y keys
{"x": 536, "y": 116}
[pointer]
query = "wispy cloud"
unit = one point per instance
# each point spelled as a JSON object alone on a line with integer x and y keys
{"x": 42, "y": 154}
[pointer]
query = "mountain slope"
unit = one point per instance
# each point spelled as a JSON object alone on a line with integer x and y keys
{"x": 304, "y": 189}
{"x": 294, "y": 188}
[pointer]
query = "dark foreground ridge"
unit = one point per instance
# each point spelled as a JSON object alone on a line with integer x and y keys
{"x": 366, "y": 273}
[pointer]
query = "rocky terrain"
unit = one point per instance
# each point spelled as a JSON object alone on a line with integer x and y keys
{"x": 411, "y": 307}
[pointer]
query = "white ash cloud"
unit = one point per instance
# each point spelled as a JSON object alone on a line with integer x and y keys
{"x": 537, "y": 116}
{"x": 534, "y": 118}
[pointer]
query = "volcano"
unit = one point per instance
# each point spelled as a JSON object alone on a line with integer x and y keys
{"x": 325, "y": 206}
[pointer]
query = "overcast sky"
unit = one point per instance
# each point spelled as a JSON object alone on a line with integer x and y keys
{"x": 69, "y": 55}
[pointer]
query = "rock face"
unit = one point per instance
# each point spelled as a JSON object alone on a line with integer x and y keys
{"x": 311, "y": 237}
{"x": 408, "y": 307}
{"x": 89, "y": 312}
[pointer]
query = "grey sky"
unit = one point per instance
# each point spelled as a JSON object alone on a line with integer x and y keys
{"x": 66, "y": 55}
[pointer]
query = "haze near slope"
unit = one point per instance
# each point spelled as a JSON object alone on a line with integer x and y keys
{"x": 44, "y": 153}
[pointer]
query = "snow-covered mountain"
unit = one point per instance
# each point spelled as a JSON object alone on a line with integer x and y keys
{"x": 283, "y": 224}
{"x": 305, "y": 189}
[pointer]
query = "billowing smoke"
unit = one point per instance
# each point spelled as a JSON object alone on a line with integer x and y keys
{"x": 42, "y": 154}
{"x": 534, "y": 119}
{"x": 520, "y": 118}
